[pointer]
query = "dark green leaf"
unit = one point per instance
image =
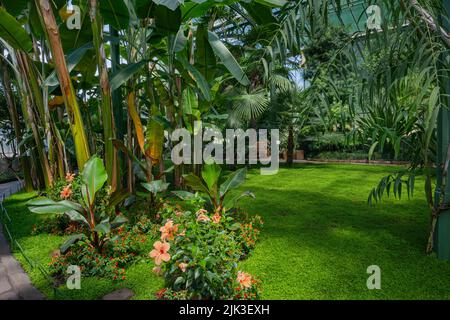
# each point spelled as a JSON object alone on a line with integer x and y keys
{"x": 94, "y": 177}
{"x": 70, "y": 241}
{"x": 122, "y": 75}
{"x": 227, "y": 58}
{"x": 13, "y": 33}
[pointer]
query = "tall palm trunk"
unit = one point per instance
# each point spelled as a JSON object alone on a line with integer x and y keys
{"x": 107, "y": 108}
{"x": 70, "y": 100}
{"x": 24, "y": 163}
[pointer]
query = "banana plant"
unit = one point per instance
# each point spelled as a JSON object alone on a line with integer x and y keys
{"x": 12, "y": 109}
{"x": 98, "y": 224}
{"x": 155, "y": 187}
{"x": 216, "y": 186}
{"x": 53, "y": 37}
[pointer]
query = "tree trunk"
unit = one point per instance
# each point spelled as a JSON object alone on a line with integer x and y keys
{"x": 290, "y": 147}
{"x": 54, "y": 140}
{"x": 118, "y": 113}
{"x": 32, "y": 119}
{"x": 130, "y": 177}
{"x": 107, "y": 111}
{"x": 70, "y": 100}
{"x": 25, "y": 165}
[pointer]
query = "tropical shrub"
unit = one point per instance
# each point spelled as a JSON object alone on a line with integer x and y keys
{"x": 337, "y": 155}
{"x": 94, "y": 216}
{"x": 248, "y": 234}
{"x": 197, "y": 254}
{"x": 200, "y": 256}
{"x": 216, "y": 186}
{"x": 68, "y": 188}
{"x": 169, "y": 294}
{"x": 155, "y": 188}
{"x": 91, "y": 263}
{"x": 128, "y": 244}
{"x": 144, "y": 225}
{"x": 247, "y": 287}
{"x": 59, "y": 224}
{"x": 146, "y": 203}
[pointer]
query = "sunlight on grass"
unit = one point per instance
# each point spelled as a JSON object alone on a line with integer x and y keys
{"x": 319, "y": 237}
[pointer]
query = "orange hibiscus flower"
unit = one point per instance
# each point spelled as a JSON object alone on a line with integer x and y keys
{"x": 244, "y": 279}
{"x": 70, "y": 177}
{"x": 216, "y": 217}
{"x": 169, "y": 230}
{"x": 66, "y": 192}
{"x": 159, "y": 253}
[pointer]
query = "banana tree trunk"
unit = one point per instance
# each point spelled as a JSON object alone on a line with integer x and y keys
{"x": 130, "y": 172}
{"x": 32, "y": 119}
{"x": 54, "y": 141}
{"x": 107, "y": 108}
{"x": 70, "y": 100}
{"x": 24, "y": 163}
{"x": 118, "y": 114}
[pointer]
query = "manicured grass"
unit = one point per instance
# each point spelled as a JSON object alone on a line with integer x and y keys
{"x": 318, "y": 240}
{"x": 320, "y": 236}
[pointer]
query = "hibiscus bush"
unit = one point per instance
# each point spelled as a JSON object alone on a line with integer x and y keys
{"x": 197, "y": 255}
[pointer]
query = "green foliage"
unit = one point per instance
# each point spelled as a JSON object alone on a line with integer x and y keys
{"x": 216, "y": 186}
{"x": 394, "y": 182}
{"x": 97, "y": 224}
{"x": 94, "y": 177}
{"x": 248, "y": 234}
{"x": 341, "y": 155}
{"x": 156, "y": 186}
{"x": 202, "y": 254}
{"x": 126, "y": 245}
{"x": 115, "y": 13}
{"x": 59, "y": 224}
{"x": 123, "y": 75}
{"x": 301, "y": 231}
{"x": 250, "y": 106}
{"x": 227, "y": 58}
{"x": 13, "y": 33}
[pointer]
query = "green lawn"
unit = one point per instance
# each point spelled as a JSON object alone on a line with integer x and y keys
{"x": 140, "y": 277}
{"x": 318, "y": 240}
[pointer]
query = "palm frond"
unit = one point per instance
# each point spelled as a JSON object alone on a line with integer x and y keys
{"x": 248, "y": 106}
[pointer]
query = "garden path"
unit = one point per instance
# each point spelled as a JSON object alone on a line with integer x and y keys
{"x": 14, "y": 282}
